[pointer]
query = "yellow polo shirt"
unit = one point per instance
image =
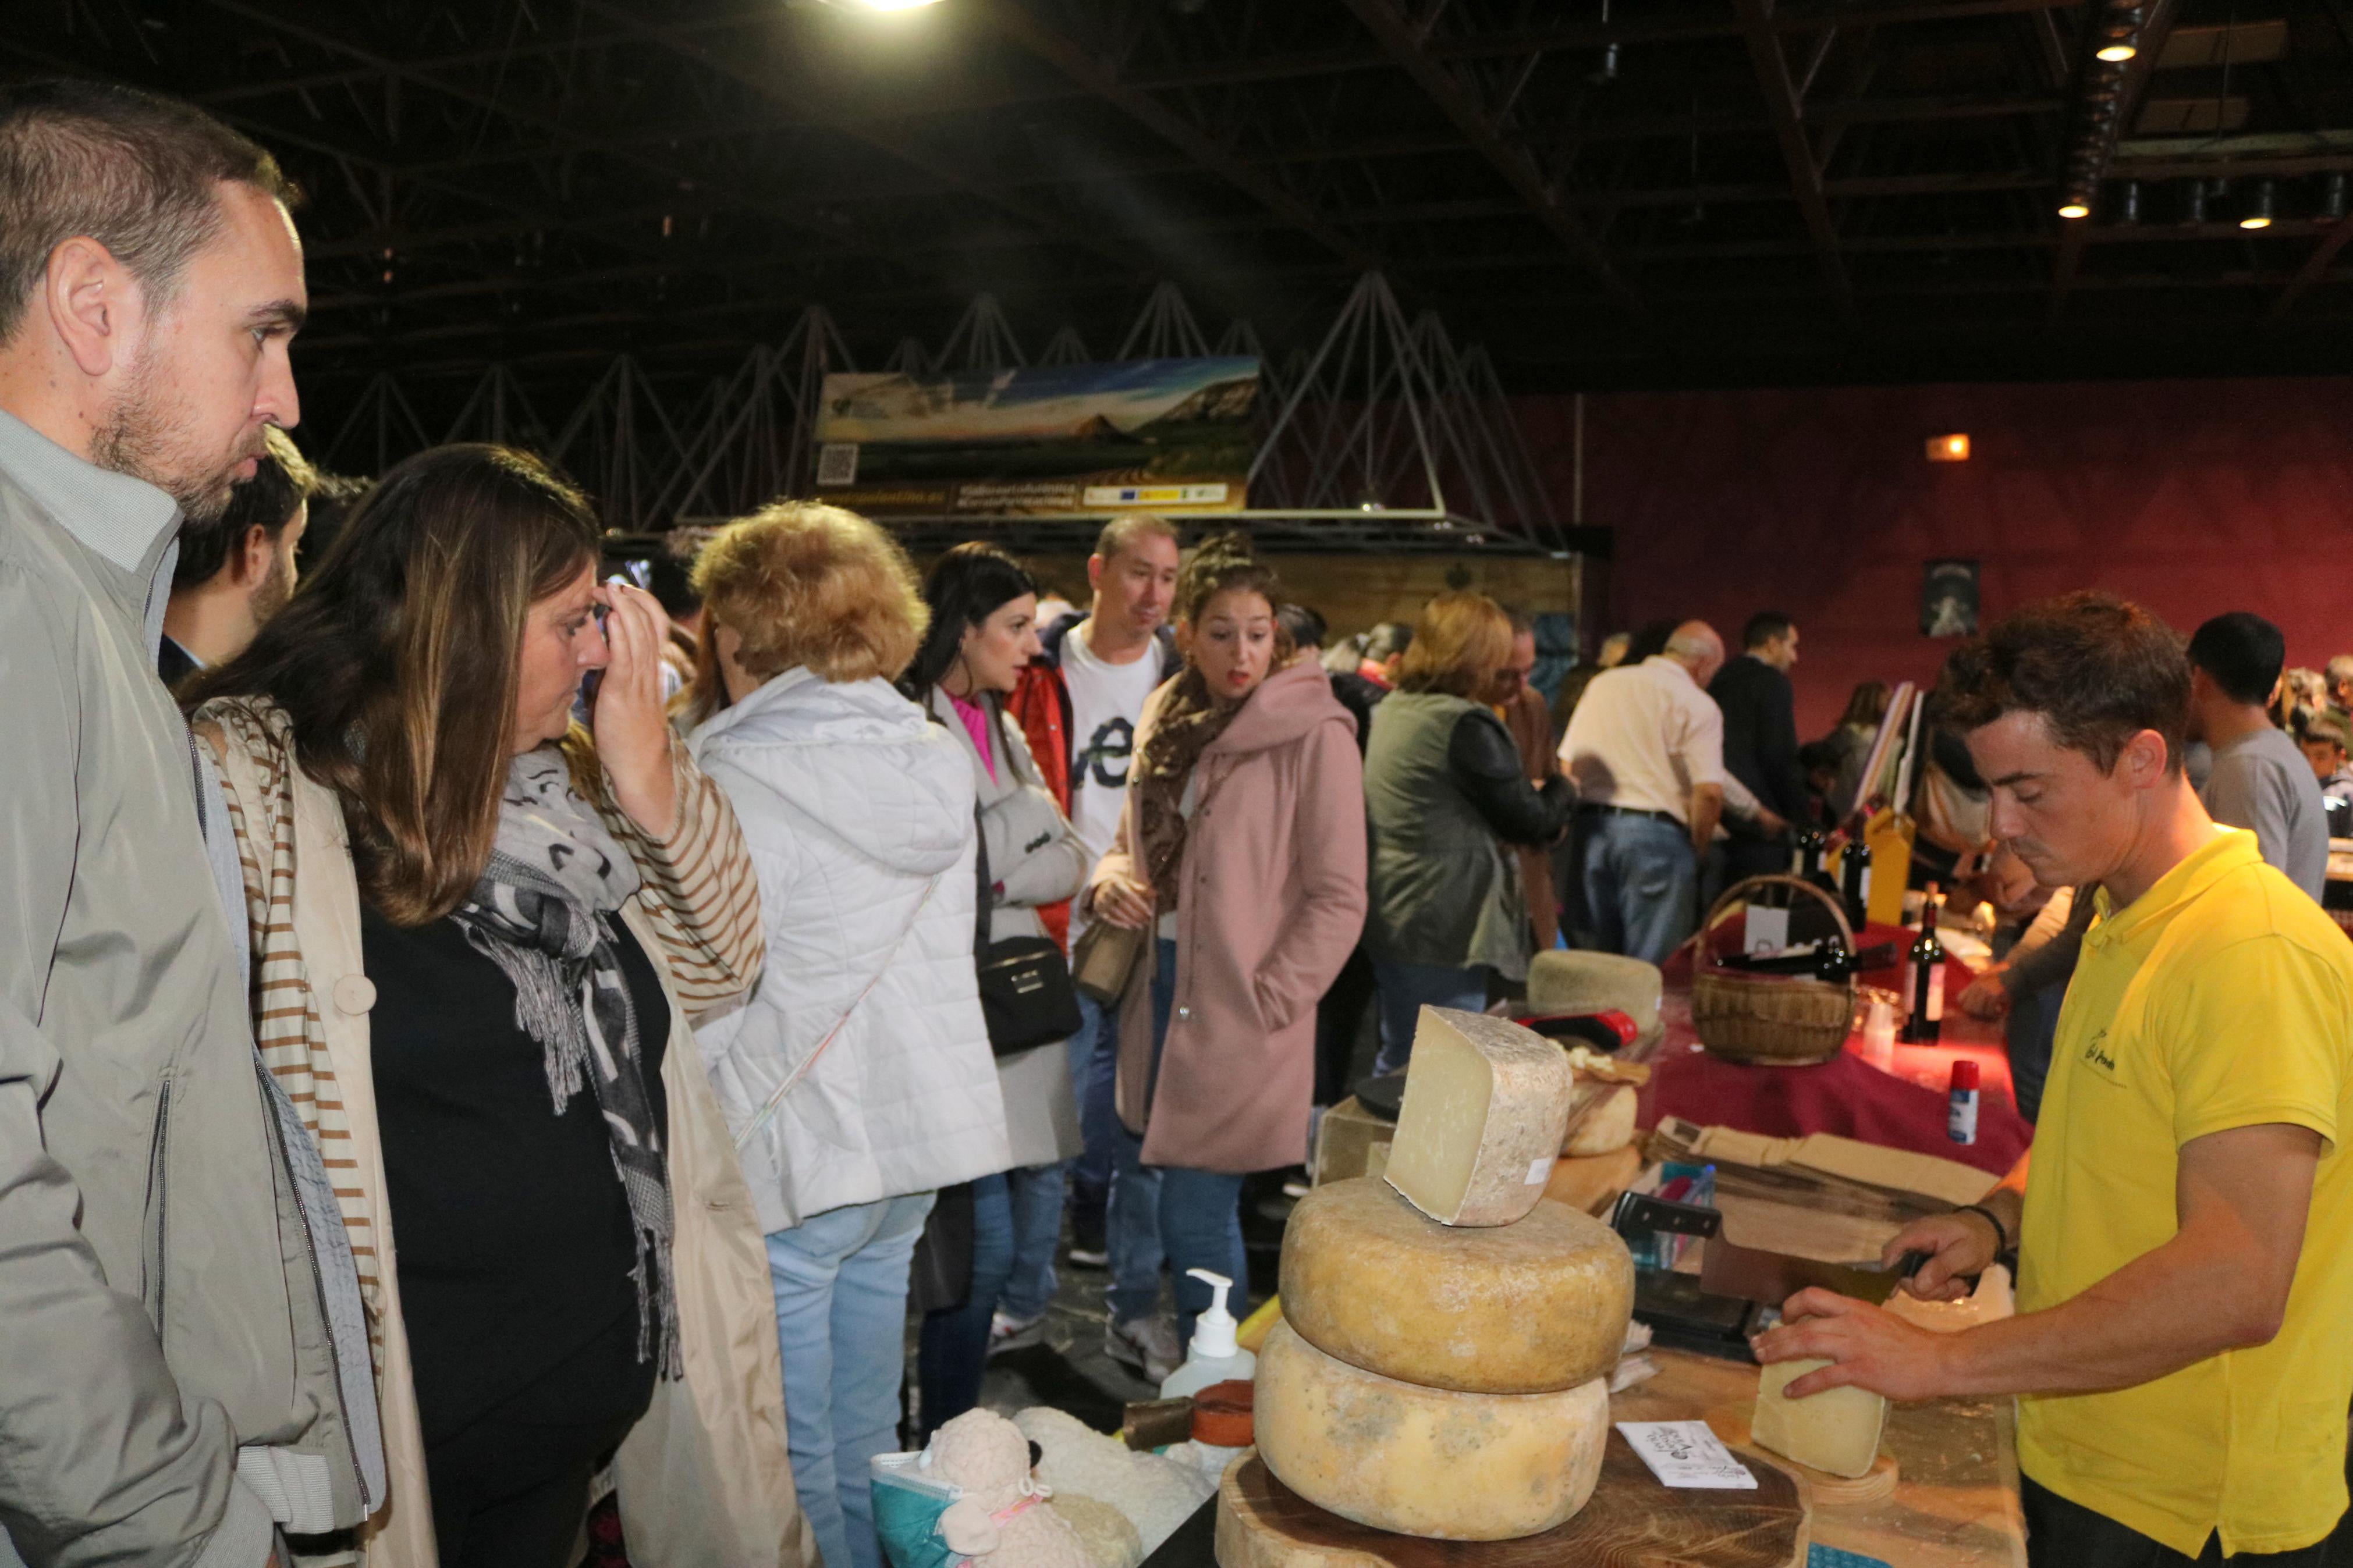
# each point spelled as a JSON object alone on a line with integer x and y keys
{"x": 2222, "y": 997}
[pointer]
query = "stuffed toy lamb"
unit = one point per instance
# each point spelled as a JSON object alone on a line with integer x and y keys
{"x": 1002, "y": 1519}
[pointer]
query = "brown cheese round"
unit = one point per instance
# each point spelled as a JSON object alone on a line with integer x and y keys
{"x": 1532, "y": 1307}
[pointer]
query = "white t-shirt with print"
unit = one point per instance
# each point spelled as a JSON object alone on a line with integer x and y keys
{"x": 1106, "y": 700}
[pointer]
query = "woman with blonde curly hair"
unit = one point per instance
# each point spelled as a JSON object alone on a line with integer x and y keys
{"x": 858, "y": 1079}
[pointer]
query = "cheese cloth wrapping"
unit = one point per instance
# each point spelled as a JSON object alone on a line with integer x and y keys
{"x": 538, "y": 912}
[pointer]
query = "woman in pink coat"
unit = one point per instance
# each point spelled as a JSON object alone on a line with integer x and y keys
{"x": 1242, "y": 847}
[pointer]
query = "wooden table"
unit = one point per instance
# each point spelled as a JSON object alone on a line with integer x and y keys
{"x": 1956, "y": 1500}
{"x": 1954, "y": 1504}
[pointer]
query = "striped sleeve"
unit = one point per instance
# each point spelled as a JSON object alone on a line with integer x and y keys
{"x": 700, "y": 889}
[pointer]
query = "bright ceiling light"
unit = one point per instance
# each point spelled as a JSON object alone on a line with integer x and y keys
{"x": 2075, "y": 209}
{"x": 2254, "y": 220}
{"x": 880, "y": 5}
{"x": 2116, "y": 54}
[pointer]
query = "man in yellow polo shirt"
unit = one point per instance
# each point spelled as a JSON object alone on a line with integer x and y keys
{"x": 2183, "y": 1350}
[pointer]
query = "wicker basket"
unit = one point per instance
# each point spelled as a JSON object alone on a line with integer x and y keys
{"x": 1789, "y": 1020}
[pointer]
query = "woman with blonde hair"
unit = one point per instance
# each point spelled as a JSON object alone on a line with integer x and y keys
{"x": 857, "y": 1081}
{"x": 1446, "y": 799}
{"x": 1241, "y": 849}
{"x": 480, "y": 935}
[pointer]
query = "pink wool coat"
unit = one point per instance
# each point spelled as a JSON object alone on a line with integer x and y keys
{"x": 1272, "y": 900}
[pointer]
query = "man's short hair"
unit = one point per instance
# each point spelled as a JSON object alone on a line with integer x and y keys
{"x": 1388, "y": 640}
{"x": 283, "y": 480}
{"x": 138, "y": 173}
{"x": 1764, "y": 627}
{"x": 2098, "y": 670}
{"x": 2328, "y": 727}
{"x": 1524, "y": 620}
{"x": 2339, "y": 670}
{"x": 2241, "y": 653}
{"x": 1125, "y": 532}
{"x": 1306, "y": 627}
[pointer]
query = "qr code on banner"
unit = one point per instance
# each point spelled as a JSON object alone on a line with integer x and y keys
{"x": 837, "y": 463}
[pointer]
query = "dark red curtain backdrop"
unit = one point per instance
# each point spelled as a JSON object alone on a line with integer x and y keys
{"x": 2192, "y": 498}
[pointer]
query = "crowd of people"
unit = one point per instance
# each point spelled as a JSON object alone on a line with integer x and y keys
{"x": 684, "y": 970}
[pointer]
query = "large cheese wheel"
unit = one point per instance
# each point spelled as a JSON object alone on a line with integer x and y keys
{"x": 1426, "y": 1461}
{"x": 1532, "y": 1307}
{"x": 1484, "y": 1113}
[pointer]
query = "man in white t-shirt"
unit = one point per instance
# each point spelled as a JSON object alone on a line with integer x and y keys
{"x": 1078, "y": 703}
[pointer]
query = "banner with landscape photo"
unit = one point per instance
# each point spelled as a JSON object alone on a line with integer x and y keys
{"x": 1158, "y": 434}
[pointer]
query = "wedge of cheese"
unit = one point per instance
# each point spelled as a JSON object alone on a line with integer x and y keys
{"x": 1426, "y": 1461}
{"x": 1836, "y": 1431}
{"x": 1534, "y": 1307}
{"x": 1485, "y": 1112}
{"x": 1607, "y": 1127}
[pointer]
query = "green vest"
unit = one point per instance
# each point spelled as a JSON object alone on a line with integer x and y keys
{"x": 1444, "y": 889}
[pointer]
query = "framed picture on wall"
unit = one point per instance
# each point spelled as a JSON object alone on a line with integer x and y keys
{"x": 1948, "y": 599}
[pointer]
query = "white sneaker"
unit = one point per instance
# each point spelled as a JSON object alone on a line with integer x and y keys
{"x": 1147, "y": 1345}
{"x": 1014, "y": 1333}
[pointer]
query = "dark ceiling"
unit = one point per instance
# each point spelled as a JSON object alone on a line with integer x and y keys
{"x": 1605, "y": 193}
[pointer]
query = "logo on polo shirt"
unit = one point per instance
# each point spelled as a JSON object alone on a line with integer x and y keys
{"x": 2097, "y": 1054}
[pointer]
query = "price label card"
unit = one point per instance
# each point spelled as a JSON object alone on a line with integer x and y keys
{"x": 1764, "y": 930}
{"x": 1686, "y": 1454}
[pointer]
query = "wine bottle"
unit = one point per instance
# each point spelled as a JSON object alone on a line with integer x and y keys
{"x": 1924, "y": 987}
{"x": 1854, "y": 877}
{"x": 1806, "y": 857}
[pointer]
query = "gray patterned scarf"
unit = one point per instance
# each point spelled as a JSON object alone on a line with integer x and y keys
{"x": 539, "y": 914}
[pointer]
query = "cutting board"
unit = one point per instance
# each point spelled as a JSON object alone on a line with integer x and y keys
{"x": 1632, "y": 1522}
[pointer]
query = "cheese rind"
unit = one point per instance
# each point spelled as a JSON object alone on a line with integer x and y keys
{"x": 1836, "y": 1431}
{"x": 1484, "y": 1114}
{"x": 1534, "y": 1307}
{"x": 1604, "y": 1128}
{"x": 1426, "y": 1461}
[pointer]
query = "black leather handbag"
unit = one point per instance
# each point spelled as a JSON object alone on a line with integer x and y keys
{"x": 1025, "y": 994}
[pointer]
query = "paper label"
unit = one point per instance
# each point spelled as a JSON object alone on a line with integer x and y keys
{"x": 1539, "y": 1171}
{"x": 1686, "y": 1454}
{"x": 1936, "y": 993}
{"x": 1765, "y": 931}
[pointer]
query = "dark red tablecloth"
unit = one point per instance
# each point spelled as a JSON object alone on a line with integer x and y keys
{"x": 1905, "y": 1108}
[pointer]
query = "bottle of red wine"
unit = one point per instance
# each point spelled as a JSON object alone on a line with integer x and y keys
{"x": 1923, "y": 979}
{"x": 1806, "y": 857}
{"x": 1854, "y": 879}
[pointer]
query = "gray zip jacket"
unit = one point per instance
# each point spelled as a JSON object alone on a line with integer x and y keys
{"x": 170, "y": 1385}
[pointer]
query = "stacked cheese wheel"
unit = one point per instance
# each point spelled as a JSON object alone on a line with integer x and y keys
{"x": 1441, "y": 1366}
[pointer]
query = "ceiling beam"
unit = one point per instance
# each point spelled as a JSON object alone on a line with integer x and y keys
{"x": 2314, "y": 268}
{"x": 1783, "y": 106}
{"x": 1403, "y": 44}
{"x": 1102, "y": 81}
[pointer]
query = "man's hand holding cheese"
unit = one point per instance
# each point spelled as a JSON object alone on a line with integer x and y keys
{"x": 2186, "y": 1233}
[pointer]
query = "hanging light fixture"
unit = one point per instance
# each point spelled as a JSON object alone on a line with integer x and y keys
{"x": 2128, "y": 211}
{"x": 2193, "y": 204}
{"x": 2259, "y": 211}
{"x": 2332, "y": 197}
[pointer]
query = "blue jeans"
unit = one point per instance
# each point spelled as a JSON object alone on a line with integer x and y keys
{"x": 1034, "y": 1197}
{"x": 840, "y": 1281}
{"x": 1171, "y": 1214}
{"x": 1640, "y": 878}
{"x": 953, "y": 1351}
{"x": 1095, "y": 1069}
{"x": 1406, "y": 988}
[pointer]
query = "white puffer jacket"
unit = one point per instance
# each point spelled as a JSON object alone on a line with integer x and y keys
{"x": 858, "y": 812}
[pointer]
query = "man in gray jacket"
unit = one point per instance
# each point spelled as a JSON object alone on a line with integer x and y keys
{"x": 184, "y": 1375}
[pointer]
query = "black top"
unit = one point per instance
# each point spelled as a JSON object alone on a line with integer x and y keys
{"x": 1760, "y": 733}
{"x": 1485, "y": 764}
{"x": 514, "y": 1239}
{"x": 1359, "y": 697}
{"x": 174, "y": 663}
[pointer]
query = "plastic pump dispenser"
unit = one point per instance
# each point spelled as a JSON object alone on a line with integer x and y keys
{"x": 1213, "y": 1357}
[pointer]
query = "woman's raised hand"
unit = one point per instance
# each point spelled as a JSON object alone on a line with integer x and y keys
{"x": 632, "y": 732}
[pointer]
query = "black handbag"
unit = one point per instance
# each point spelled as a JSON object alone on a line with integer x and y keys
{"x": 1025, "y": 994}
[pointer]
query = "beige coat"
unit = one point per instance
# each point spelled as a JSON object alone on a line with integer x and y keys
{"x": 703, "y": 1479}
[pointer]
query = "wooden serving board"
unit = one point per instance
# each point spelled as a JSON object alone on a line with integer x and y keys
{"x": 1632, "y": 1522}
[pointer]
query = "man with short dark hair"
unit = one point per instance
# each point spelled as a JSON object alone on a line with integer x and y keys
{"x": 2325, "y": 740}
{"x": 237, "y": 570}
{"x": 1760, "y": 743}
{"x": 183, "y": 1365}
{"x": 2339, "y": 677}
{"x": 2258, "y": 780}
{"x": 2185, "y": 1226}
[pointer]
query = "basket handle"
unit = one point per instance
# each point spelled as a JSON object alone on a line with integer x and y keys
{"x": 1701, "y": 955}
